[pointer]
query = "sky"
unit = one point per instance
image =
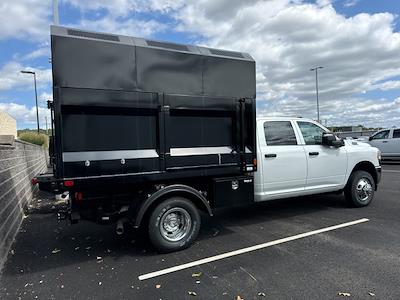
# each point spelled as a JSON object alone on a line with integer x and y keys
{"x": 356, "y": 41}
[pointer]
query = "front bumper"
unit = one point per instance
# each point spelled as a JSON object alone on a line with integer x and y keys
{"x": 378, "y": 170}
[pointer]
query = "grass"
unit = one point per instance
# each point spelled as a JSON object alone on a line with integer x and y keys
{"x": 40, "y": 139}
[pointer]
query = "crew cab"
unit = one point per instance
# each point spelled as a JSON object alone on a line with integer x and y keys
{"x": 298, "y": 157}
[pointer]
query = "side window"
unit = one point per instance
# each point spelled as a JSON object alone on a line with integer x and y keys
{"x": 381, "y": 135}
{"x": 279, "y": 133}
{"x": 396, "y": 133}
{"x": 312, "y": 133}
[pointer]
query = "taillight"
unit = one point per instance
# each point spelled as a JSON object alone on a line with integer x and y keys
{"x": 34, "y": 181}
{"x": 68, "y": 183}
{"x": 255, "y": 162}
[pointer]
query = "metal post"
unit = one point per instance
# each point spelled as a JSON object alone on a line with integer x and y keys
{"x": 55, "y": 12}
{"x": 316, "y": 88}
{"x": 37, "y": 107}
{"x": 36, "y": 99}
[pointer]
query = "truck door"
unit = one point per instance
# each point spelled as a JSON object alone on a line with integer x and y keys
{"x": 380, "y": 140}
{"x": 327, "y": 166}
{"x": 395, "y": 143}
{"x": 283, "y": 161}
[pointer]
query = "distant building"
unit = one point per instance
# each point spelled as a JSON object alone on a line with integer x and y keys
{"x": 8, "y": 125}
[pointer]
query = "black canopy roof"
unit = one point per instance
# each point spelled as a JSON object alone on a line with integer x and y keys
{"x": 115, "y": 62}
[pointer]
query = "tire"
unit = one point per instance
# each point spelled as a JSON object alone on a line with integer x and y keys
{"x": 360, "y": 189}
{"x": 174, "y": 225}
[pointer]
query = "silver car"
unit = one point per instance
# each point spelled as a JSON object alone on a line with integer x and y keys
{"x": 388, "y": 141}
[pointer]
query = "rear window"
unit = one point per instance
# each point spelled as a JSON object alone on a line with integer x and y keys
{"x": 279, "y": 133}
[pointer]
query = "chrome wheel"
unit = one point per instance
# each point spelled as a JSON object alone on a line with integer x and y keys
{"x": 175, "y": 224}
{"x": 364, "y": 189}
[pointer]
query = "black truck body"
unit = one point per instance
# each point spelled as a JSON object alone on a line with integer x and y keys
{"x": 135, "y": 117}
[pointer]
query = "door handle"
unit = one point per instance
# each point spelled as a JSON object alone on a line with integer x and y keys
{"x": 270, "y": 155}
{"x": 384, "y": 141}
{"x": 313, "y": 153}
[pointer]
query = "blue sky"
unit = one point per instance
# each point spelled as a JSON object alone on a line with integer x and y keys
{"x": 357, "y": 41}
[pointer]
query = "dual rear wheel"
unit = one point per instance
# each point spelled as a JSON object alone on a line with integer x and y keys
{"x": 174, "y": 224}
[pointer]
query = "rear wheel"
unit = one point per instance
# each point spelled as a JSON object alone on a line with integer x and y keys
{"x": 360, "y": 189}
{"x": 174, "y": 224}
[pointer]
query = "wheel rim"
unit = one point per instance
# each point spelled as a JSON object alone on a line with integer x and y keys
{"x": 364, "y": 189}
{"x": 175, "y": 224}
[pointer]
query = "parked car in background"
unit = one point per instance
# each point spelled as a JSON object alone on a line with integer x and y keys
{"x": 388, "y": 141}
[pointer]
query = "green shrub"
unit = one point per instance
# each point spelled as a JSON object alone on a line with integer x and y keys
{"x": 40, "y": 139}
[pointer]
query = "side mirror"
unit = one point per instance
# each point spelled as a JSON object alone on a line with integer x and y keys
{"x": 338, "y": 143}
{"x": 370, "y": 138}
{"x": 329, "y": 139}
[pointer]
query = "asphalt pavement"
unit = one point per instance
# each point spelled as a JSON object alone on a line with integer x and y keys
{"x": 55, "y": 260}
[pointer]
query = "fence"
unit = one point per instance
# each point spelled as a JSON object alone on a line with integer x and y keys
{"x": 355, "y": 134}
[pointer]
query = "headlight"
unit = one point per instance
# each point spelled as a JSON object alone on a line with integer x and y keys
{"x": 379, "y": 155}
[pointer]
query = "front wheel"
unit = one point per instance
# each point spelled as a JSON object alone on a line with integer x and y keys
{"x": 174, "y": 224}
{"x": 360, "y": 189}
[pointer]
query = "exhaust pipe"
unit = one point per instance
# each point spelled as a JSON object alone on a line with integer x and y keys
{"x": 120, "y": 226}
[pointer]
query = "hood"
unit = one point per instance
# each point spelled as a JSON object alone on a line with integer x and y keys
{"x": 356, "y": 143}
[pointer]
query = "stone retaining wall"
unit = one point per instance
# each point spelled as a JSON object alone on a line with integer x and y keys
{"x": 18, "y": 165}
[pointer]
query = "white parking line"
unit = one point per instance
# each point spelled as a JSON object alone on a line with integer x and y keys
{"x": 391, "y": 171}
{"x": 248, "y": 249}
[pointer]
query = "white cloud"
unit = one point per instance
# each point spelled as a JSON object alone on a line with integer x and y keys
{"x": 388, "y": 85}
{"x": 115, "y": 7}
{"x": 350, "y": 3}
{"x": 11, "y": 76}
{"x": 287, "y": 38}
{"x": 125, "y": 7}
{"x": 43, "y": 97}
{"x": 26, "y": 116}
{"x": 324, "y": 2}
{"x": 25, "y": 19}
{"x": 124, "y": 26}
{"x": 39, "y": 52}
{"x": 31, "y": 19}
{"x": 346, "y": 111}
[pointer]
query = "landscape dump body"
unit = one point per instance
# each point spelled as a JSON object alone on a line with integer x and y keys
{"x": 149, "y": 133}
{"x": 132, "y": 110}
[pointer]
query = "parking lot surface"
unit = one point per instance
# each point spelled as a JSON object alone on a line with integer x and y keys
{"x": 55, "y": 260}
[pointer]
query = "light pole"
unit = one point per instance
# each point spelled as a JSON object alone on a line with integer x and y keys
{"x": 55, "y": 12}
{"x": 37, "y": 108}
{"x": 316, "y": 87}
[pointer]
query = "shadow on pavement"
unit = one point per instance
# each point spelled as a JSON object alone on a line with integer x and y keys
{"x": 44, "y": 243}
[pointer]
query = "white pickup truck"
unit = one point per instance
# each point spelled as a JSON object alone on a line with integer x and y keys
{"x": 299, "y": 157}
